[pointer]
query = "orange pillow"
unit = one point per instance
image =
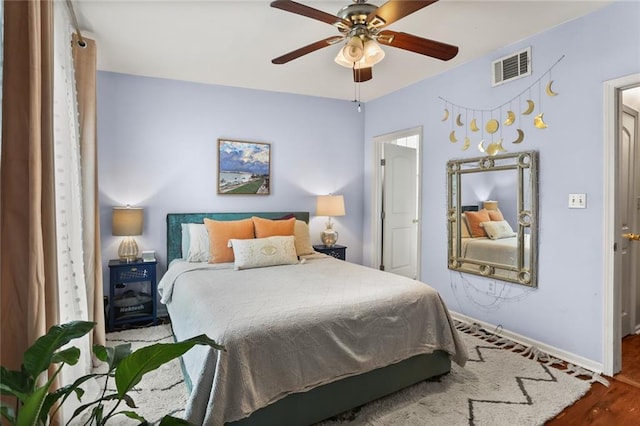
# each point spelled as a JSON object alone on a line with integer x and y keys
{"x": 272, "y": 228}
{"x": 474, "y": 220}
{"x": 495, "y": 215}
{"x": 220, "y": 232}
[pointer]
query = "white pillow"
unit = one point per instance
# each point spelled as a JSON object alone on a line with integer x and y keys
{"x": 195, "y": 242}
{"x": 497, "y": 229}
{"x": 303, "y": 239}
{"x": 260, "y": 252}
{"x": 185, "y": 239}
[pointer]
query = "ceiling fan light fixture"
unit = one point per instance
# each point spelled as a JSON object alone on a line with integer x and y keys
{"x": 372, "y": 55}
{"x": 353, "y": 49}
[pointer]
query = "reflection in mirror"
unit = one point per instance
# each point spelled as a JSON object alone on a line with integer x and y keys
{"x": 492, "y": 216}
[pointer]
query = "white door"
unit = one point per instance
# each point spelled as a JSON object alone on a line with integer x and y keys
{"x": 399, "y": 224}
{"x": 629, "y": 203}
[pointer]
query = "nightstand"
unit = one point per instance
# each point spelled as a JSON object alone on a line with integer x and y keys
{"x": 132, "y": 292}
{"x": 337, "y": 251}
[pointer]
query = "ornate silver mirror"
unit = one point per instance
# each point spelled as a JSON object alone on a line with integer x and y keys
{"x": 492, "y": 216}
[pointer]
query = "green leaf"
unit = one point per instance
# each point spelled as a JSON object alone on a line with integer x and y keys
{"x": 38, "y": 357}
{"x": 65, "y": 391}
{"x": 135, "y": 366}
{"x": 29, "y": 413}
{"x": 100, "y": 352}
{"x": 129, "y": 401}
{"x": 14, "y": 383}
{"x": 120, "y": 352}
{"x": 173, "y": 421}
{"x": 70, "y": 356}
{"x": 133, "y": 415}
{"x": 7, "y": 412}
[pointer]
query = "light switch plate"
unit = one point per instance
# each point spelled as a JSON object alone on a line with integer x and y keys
{"x": 577, "y": 201}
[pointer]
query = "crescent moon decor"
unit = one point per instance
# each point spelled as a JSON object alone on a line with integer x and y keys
{"x": 520, "y": 137}
{"x": 538, "y": 121}
{"x": 494, "y": 119}
{"x": 495, "y": 147}
{"x": 492, "y": 125}
{"x": 530, "y": 107}
{"x": 511, "y": 117}
{"x": 467, "y": 143}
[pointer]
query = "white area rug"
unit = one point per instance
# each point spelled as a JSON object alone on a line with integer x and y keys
{"x": 496, "y": 387}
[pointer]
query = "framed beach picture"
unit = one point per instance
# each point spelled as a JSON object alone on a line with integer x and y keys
{"x": 244, "y": 167}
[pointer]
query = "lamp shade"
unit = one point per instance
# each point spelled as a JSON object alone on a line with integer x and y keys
{"x": 490, "y": 205}
{"x": 127, "y": 221}
{"x": 353, "y": 49}
{"x": 330, "y": 205}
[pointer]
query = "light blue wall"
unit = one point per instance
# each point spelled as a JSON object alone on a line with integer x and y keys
{"x": 157, "y": 149}
{"x": 566, "y": 310}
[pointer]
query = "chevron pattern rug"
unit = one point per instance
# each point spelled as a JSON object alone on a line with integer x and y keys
{"x": 500, "y": 385}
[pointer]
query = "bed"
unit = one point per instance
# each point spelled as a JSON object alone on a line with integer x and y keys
{"x": 502, "y": 251}
{"x": 305, "y": 341}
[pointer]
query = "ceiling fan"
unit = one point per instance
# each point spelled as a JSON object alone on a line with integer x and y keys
{"x": 361, "y": 25}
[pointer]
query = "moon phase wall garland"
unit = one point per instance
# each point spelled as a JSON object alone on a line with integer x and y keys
{"x": 501, "y": 119}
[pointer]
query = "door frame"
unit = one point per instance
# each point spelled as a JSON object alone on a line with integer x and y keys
{"x": 611, "y": 322}
{"x": 376, "y": 199}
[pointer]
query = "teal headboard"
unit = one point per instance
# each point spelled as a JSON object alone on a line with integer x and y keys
{"x": 174, "y": 230}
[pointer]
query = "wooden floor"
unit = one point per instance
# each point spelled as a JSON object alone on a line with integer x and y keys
{"x": 618, "y": 404}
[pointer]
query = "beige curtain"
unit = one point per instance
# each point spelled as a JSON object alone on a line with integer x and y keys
{"x": 28, "y": 287}
{"x": 84, "y": 58}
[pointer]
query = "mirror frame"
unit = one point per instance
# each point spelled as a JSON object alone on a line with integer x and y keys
{"x": 527, "y": 214}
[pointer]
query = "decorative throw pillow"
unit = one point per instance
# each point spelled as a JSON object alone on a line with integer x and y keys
{"x": 495, "y": 215}
{"x": 303, "y": 239}
{"x": 269, "y": 228}
{"x": 475, "y": 219}
{"x": 464, "y": 228}
{"x": 497, "y": 229}
{"x": 197, "y": 242}
{"x": 220, "y": 232}
{"x": 261, "y": 252}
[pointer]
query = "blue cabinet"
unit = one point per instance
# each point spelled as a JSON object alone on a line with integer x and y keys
{"x": 132, "y": 293}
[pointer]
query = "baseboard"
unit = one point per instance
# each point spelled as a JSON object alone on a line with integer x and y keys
{"x": 588, "y": 364}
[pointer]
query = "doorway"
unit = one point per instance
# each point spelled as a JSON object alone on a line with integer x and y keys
{"x": 616, "y": 281}
{"x": 396, "y": 202}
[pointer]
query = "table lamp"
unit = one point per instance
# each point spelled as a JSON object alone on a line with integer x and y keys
{"x": 329, "y": 205}
{"x": 127, "y": 222}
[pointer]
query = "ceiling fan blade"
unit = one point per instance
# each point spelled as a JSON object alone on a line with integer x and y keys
{"x": 417, "y": 44}
{"x": 394, "y": 10}
{"x": 306, "y": 49}
{"x": 362, "y": 74}
{"x": 309, "y": 12}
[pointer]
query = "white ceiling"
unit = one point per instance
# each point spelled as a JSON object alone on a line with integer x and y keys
{"x": 231, "y": 43}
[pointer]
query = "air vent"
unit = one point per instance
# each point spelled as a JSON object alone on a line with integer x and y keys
{"x": 512, "y": 67}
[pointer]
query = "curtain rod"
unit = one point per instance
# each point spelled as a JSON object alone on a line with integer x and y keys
{"x": 81, "y": 41}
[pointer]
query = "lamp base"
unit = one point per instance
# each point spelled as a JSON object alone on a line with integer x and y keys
{"x": 128, "y": 250}
{"x": 329, "y": 237}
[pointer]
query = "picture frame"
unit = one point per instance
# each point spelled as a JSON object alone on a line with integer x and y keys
{"x": 244, "y": 168}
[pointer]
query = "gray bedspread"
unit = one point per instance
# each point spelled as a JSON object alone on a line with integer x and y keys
{"x": 291, "y": 328}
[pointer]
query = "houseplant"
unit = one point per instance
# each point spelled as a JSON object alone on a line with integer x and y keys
{"x": 36, "y": 403}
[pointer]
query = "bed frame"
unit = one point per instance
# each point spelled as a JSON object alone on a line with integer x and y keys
{"x": 322, "y": 402}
